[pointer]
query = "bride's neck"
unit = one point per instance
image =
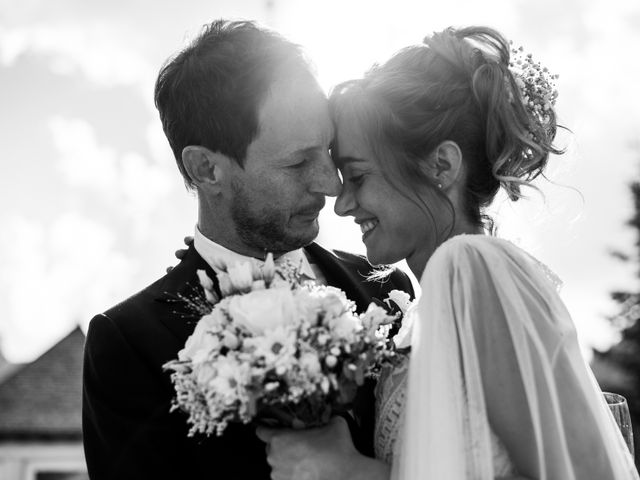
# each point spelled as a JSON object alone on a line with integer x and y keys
{"x": 418, "y": 261}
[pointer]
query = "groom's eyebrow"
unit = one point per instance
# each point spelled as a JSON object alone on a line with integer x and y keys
{"x": 296, "y": 152}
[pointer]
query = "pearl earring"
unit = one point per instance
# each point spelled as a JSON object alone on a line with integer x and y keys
{"x": 440, "y": 186}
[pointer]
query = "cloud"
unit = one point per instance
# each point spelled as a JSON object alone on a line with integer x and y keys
{"x": 127, "y": 178}
{"x": 81, "y": 160}
{"x": 97, "y": 51}
{"x": 47, "y": 268}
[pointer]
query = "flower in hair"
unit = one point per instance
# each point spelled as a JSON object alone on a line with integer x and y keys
{"x": 536, "y": 84}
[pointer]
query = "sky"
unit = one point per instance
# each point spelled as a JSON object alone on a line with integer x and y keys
{"x": 92, "y": 206}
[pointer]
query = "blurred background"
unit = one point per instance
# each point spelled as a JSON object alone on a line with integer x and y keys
{"x": 92, "y": 205}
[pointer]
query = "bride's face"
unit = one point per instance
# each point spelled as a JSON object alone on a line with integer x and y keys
{"x": 393, "y": 226}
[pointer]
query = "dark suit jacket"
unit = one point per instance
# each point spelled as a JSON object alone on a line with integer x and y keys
{"x": 129, "y": 432}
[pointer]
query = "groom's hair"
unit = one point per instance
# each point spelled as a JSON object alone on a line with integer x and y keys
{"x": 210, "y": 93}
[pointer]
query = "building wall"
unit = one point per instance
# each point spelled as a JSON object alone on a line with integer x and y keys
{"x": 42, "y": 461}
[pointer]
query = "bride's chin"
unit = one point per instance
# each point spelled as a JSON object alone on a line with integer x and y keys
{"x": 376, "y": 258}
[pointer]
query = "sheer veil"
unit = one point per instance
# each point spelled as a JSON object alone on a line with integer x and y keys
{"x": 494, "y": 348}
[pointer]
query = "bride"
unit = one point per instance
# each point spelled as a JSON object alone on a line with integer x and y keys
{"x": 495, "y": 385}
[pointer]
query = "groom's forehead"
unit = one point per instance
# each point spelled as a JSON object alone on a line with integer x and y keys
{"x": 288, "y": 132}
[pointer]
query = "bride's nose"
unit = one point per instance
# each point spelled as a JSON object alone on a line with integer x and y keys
{"x": 345, "y": 203}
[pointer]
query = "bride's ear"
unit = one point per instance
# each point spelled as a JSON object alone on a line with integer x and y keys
{"x": 206, "y": 168}
{"x": 444, "y": 164}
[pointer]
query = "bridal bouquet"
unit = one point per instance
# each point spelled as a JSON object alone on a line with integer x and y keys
{"x": 275, "y": 349}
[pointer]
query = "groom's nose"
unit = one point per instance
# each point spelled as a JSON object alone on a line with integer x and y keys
{"x": 325, "y": 178}
{"x": 345, "y": 203}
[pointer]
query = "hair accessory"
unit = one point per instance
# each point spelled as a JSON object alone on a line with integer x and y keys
{"x": 537, "y": 85}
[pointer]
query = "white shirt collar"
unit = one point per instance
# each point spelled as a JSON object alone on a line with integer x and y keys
{"x": 214, "y": 254}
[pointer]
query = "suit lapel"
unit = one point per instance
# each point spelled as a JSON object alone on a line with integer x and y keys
{"x": 175, "y": 290}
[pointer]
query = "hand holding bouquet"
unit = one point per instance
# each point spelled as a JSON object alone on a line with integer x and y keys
{"x": 276, "y": 349}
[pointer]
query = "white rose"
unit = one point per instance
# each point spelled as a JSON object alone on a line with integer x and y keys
{"x": 403, "y": 338}
{"x": 374, "y": 317}
{"x": 344, "y": 327}
{"x": 263, "y": 310}
{"x": 309, "y": 305}
{"x": 200, "y": 344}
{"x": 400, "y": 298}
{"x": 333, "y": 302}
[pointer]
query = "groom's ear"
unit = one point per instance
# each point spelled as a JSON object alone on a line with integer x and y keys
{"x": 444, "y": 164}
{"x": 204, "y": 167}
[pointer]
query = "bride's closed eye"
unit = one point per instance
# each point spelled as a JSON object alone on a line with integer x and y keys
{"x": 355, "y": 179}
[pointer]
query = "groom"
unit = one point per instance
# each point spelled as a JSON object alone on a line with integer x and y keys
{"x": 250, "y": 130}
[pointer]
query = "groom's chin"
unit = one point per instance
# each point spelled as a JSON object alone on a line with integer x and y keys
{"x": 304, "y": 233}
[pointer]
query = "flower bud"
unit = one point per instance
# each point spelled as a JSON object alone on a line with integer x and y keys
{"x": 230, "y": 340}
{"x": 205, "y": 281}
{"x": 226, "y": 288}
{"x": 210, "y": 296}
{"x": 269, "y": 387}
{"x": 269, "y": 268}
{"x": 331, "y": 361}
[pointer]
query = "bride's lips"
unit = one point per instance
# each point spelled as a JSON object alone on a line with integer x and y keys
{"x": 367, "y": 226}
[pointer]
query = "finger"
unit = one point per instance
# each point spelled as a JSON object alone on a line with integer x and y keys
{"x": 265, "y": 434}
{"x": 338, "y": 420}
{"x": 271, "y": 460}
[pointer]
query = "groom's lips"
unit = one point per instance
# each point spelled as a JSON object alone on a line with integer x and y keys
{"x": 310, "y": 213}
{"x": 308, "y": 216}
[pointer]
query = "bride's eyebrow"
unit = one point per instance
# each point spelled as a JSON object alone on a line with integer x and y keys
{"x": 342, "y": 162}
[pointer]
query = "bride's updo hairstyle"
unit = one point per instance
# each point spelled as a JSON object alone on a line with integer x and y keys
{"x": 460, "y": 85}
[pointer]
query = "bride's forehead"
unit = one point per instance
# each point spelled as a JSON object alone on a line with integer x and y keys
{"x": 352, "y": 141}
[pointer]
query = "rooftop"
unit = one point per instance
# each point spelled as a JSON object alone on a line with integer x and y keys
{"x": 42, "y": 400}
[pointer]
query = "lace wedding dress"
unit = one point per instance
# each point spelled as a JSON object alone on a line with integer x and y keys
{"x": 491, "y": 341}
{"x": 390, "y": 403}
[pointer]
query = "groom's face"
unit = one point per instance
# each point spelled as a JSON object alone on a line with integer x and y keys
{"x": 288, "y": 171}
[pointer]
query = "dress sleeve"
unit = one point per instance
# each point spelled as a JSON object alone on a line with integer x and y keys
{"x": 495, "y": 348}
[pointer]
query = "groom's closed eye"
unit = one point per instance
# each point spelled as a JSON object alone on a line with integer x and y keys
{"x": 299, "y": 163}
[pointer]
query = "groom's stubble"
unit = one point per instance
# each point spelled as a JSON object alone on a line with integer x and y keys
{"x": 264, "y": 226}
